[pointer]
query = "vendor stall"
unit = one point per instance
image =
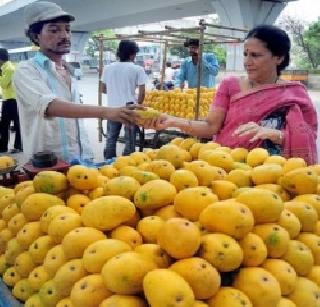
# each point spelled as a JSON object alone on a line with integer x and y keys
{"x": 206, "y": 33}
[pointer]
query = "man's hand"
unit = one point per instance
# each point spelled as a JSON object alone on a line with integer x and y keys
{"x": 125, "y": 115}
{"x": 259, "y": 132}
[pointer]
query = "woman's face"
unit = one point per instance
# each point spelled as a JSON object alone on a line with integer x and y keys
{"x": 259, "y": 62}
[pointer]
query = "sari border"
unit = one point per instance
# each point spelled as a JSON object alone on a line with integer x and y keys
{"x": 253, "y": 91}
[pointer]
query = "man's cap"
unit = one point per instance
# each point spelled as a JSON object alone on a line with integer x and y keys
{"x": 44, "y": 11}
{"x": 191, "y": 42}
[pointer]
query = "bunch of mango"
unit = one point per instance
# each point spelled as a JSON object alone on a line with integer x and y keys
{"x": 189, "y": 224}
{"x": 180, "y": 103}
{"x": 6, "y": 162}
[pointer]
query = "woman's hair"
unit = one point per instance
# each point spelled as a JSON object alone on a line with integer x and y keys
{"x": 35, "y": 29}
{"x": 276, "y": 40}
{"x": 126, "y": 49}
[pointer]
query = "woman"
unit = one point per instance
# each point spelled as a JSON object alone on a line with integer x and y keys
{"x": 259, "y": 110}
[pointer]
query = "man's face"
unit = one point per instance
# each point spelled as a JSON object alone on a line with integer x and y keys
{"x": 55, "y": 38}
{"x": 193, "y": 50}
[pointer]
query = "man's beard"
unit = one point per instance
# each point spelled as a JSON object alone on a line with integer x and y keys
{"x": 62, "y": 52}
{"x": 59, "y": 52}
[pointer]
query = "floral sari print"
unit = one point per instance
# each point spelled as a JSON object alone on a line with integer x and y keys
{"x": 300, "y": 118}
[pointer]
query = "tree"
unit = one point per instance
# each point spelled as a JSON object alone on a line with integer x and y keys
{"x": 109, "y": 45}
{"x": 312, "y": 37}
{"x": 306, "y": 38}
{"x": 218, "y": 49}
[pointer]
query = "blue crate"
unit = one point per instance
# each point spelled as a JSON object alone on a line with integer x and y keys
{"x": 6, "y": 297}
{"x": 89, "y": 163}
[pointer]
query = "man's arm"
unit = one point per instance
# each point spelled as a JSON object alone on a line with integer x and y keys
{"x": 142, "y": 92}
{"x": 210, "y": 63}
{"x": 60, "y": 108}
{"x": 38, "y": 98}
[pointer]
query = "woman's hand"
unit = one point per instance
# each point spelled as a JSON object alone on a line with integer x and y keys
{"x": 259, "y": 132}
{"x": 161, "y": 122}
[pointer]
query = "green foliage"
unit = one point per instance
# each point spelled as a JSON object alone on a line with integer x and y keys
{"x": 109, "y": 45}
{"x": 218, "y": 50}
{"x": 306, "y": 39}
{"x": 312, "y": 38}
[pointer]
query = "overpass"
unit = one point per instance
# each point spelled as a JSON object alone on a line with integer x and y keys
{"x": 100, "y": 14}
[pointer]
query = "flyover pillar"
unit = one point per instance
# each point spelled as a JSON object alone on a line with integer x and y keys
{"x": 245, "y": 14}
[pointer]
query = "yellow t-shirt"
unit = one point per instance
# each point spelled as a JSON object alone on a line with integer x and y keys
{"x": 7, "y": 69}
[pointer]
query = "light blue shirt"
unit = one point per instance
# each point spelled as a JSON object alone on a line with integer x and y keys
{"x": 189, "y": 71}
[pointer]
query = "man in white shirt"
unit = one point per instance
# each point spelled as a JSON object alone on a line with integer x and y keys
{"x": 47, "y": 96}
{"x": 119, "y": 82}
{"x": 169, "y": 76}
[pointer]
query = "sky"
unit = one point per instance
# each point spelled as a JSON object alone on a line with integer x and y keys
{"x": 308, "y": 10}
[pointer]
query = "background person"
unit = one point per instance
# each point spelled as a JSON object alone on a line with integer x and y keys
{"x": 169, "y": 76}
{"x": 47, "y": 96}
{"x": 120, "y": 81}
{"x": 259, "y": 110}
{"x": 189, "y": 67}
{"x": 9, "y": 110}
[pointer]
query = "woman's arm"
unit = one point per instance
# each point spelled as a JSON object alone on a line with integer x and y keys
{"x": 260, "y": 133}
{"x": 205, "y": 129}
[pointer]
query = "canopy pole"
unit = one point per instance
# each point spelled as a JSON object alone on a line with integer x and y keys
{"x": 199, "y": 66}
{"x": 164, "y": 62}
{"x": 100, "y": 128}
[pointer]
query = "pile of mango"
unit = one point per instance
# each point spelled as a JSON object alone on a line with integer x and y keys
{"x": 6, "y": 162}
{"x": 180, "y": 104}
{"x": 189, "y": 224}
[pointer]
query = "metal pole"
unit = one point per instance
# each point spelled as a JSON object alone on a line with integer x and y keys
{"x": 201, "y": 36}
{"x": 164, "y": 61}
{"x": 225, "y": 27}
{"x": 100, "y": 128}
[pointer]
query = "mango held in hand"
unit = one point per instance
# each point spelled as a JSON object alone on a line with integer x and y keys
{"x": 148, "y": 113}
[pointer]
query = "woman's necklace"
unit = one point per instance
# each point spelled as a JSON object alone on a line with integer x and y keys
{"x": 252, "y": 85}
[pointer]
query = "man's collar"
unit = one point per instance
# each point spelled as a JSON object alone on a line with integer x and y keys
{"x": 42, "y": 59}
{"x": 4, "y": 64}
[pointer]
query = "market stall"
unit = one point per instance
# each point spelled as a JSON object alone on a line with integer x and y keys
{"x": 206, "y": 33}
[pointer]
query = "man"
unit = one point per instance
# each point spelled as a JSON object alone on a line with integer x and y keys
{"x": 119, "y": 82}
{"x": 189, "y": 67}
{"x": 9, "y": 111}
{"x": 169, "y": 76}
{"x": 47, "y": 96}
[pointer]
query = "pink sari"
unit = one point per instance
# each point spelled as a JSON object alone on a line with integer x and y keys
{"x": 300, "y": 129}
